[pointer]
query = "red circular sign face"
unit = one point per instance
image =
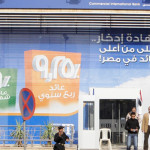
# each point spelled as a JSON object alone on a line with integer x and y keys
{"x": 26, "y": 103}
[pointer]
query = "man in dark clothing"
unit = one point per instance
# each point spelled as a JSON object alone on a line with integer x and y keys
{"x": 60, "y": 139}
{"x": 132, "y": 125}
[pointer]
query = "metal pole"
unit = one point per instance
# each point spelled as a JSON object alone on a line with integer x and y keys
{"x": 72, "y": 135}
{"x": 40, "y": 134}
{"x": 24, "y": 127}
{"x": 112, "y": 121}
{"x": 119, "y": 123}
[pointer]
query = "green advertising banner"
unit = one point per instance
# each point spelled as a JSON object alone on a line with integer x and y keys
{"x": 8, "y": 83}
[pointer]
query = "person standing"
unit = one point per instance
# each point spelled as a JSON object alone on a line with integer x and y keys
{"x": 60, "y": 139}
{"x": 132, "y": 125}
{"x": 136, "y": 115}
{"x": 146, "y": 128}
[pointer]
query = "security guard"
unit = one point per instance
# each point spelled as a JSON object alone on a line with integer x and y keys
{"x": 60, "y": 139}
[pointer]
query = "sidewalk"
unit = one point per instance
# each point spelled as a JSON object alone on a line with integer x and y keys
{"x": 35, "y": 147}
{"x": 74, "y": 147}
{"x": 116, "y": 147}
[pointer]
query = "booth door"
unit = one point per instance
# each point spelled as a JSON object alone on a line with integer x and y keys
{"x": 112, "y": 115}
{"x": 87, "y": 123}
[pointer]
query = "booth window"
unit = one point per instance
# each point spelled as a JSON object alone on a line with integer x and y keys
{"x": 88, "y": 115}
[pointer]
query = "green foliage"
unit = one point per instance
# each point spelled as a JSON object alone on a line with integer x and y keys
{"x": 18, "y": 132}
{"x": 47, "y": 131}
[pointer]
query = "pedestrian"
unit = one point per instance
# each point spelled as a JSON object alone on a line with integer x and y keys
{"x": 146, "y": 128}
{"x": 60, "y": 138}
{"x": 136, "y": 115}
{"x": 132, "y": 125}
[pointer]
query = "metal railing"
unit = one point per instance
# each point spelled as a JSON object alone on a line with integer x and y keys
{"x": 33, "y": 134}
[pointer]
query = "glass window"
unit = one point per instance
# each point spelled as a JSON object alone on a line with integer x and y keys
{"x": 88, "y": 115}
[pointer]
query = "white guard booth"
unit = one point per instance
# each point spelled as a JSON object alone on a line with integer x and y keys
{"x": 105, "y": 108}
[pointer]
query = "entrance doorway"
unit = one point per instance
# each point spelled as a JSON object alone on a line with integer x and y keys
{"x": 102, "y": 110}
{"x": 112, "y": 114}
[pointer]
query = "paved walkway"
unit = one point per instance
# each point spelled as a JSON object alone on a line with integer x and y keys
{"x": 74, "y": 147}
{"x": 119, "y": 148}
{"x": 35, "y": 147}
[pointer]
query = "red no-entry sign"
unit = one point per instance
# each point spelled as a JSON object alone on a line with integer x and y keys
{"x": 26, "y": 103}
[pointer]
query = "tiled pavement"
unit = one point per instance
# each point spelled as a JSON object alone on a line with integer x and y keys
{"x": 104, "y": 147}
{"x": 119, "y": 148}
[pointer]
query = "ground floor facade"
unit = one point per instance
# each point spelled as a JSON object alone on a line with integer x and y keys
{"x": 88, "y": 71}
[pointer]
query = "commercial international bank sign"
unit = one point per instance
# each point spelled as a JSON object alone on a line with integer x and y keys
{"x": 77, "y": 4}
{"x": 53, "y": 77}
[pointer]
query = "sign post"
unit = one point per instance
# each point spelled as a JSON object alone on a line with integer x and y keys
{"x": 24, "y": 129}
{"x": 27, "y": 107}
